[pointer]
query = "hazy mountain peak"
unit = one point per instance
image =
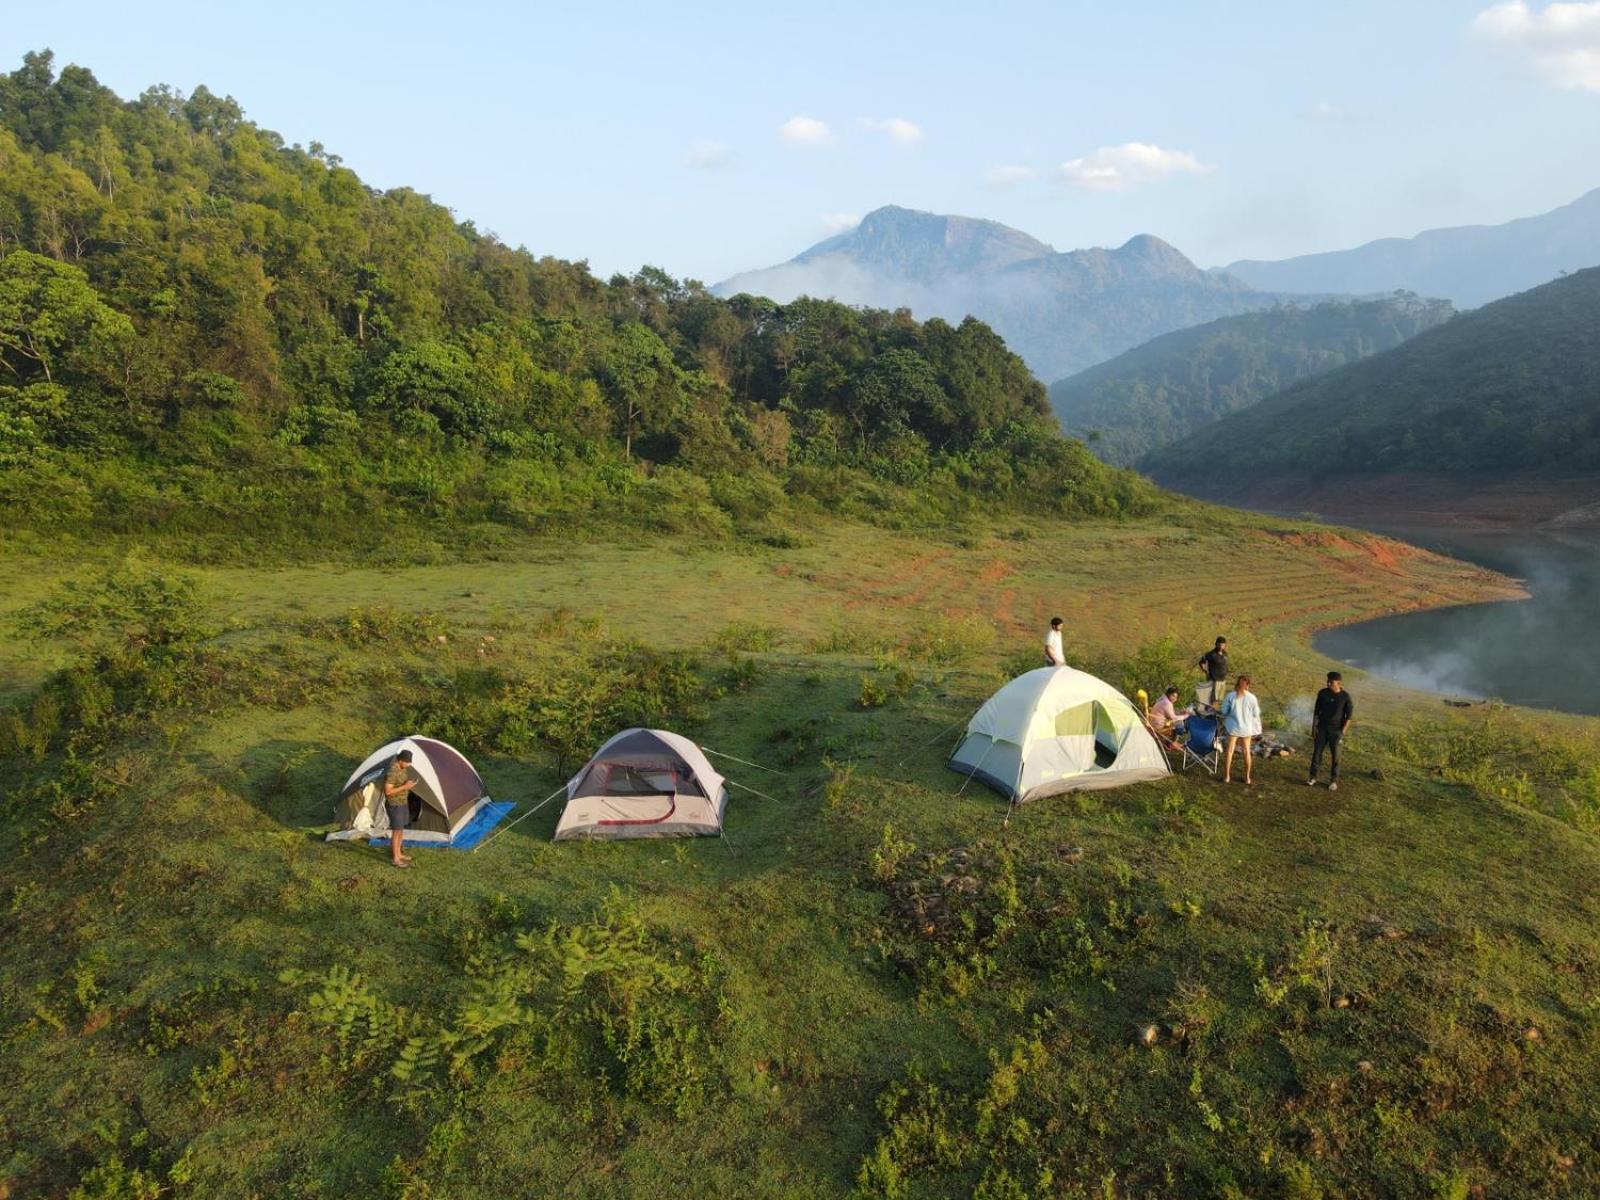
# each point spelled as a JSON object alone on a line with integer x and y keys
{"x": 1149, "y": 245}
{"x": 1468, "y": 264}
{"x": 1060, "y": 311}
{"x": 906, "y": 243}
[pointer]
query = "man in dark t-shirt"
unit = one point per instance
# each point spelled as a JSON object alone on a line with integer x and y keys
{"x": 1330, "y": 717}
{"x": 1215, "y": 663}
{"x": 398, "y": 781}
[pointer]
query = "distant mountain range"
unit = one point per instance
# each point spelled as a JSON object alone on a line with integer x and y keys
{"x": 1161, "y": 392}
{"x": 1509, "y": 391}
{"x": 1469, "y": 265}
{"x": 1062, "y": 312}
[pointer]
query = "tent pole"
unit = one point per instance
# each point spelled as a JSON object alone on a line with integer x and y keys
{"x": 529, "y": 813}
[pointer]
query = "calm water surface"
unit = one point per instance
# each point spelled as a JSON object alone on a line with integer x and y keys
{"x": 1543, "y": 652}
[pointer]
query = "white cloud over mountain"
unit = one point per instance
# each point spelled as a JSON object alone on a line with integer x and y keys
{"x": 1130, "y": 165}
{"x": 1560, "y": 41}
{"x": 839, "y": 222}
{"x": 805, "y": 131}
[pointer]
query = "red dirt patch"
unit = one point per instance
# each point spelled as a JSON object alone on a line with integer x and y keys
{"x": 995, "y": 571}
{"x": 1005, "y": 612}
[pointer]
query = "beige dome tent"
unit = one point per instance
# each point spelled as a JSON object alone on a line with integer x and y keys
{"x": 644, "y": 783}
{"x": 1056, "y": 729}
{"x": 448, "y": 786}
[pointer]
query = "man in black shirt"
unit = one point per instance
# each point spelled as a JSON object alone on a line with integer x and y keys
{"x": 1215, "y": 662}
{"x": 1330, "y": 717}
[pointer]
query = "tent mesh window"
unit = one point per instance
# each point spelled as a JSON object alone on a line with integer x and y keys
{"x": 639, "y": 778}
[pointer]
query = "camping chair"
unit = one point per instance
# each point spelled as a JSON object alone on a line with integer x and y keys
{"x": 1202, "y": 745}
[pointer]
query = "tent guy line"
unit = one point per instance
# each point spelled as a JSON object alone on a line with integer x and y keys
{"x": 743, "y": 762}
{"x": 529, "y": 813}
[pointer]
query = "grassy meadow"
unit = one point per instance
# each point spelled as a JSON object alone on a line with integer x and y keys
{"x": 873, "y": 986}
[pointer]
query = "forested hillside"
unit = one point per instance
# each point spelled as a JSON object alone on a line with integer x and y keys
{"x": 1512, "y": 388}
{"x": 1164, "y": 390}
{"x": 200, "y": 324}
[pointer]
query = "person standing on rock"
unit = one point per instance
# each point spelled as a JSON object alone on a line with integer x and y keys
{"x": 1330, "y": 717}
{"x": 1053, "y": 656}
{"x": 1215, "y": 685}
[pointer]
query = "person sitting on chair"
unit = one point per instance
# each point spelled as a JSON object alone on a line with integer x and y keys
{"x": 1164, "y": 714}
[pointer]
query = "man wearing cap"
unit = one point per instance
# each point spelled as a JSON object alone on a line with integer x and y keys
{"x": 1215, "y": 663}
{"x": 398, "y": 781}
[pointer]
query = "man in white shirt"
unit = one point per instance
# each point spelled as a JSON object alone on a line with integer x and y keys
{"x": 1052, "y": 645}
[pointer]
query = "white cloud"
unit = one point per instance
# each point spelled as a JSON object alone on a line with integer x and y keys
{"x": 707, "y": 154}
{"x": 1326, "y": 110}
{"x": 1118, "y": 168}
{"x": 1560, "y": 41}
{"x": 806, "y": 131}
{"x": 838, "y": 222}
{"x": 1007, "y": 176}
{"x": 898, "y": 129}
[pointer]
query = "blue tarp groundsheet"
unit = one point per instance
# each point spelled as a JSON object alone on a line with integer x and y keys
{"x": 470, "y": 834}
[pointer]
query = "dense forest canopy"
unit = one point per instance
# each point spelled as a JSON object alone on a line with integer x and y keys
{"x": 1512, "y": 388}
{"x": 194, "y": 315}
{"x": 1166, "y": 389}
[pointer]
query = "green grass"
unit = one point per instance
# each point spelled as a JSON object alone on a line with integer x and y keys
{"x": 873, "y": 984}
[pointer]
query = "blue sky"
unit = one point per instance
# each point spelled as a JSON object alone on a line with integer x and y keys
{"x": 708, "y": 138}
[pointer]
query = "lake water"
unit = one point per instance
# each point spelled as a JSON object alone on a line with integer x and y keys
{"x": 1543, "y": 652}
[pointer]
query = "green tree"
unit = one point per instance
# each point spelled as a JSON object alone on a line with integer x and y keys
{"x": 47, "y": 307}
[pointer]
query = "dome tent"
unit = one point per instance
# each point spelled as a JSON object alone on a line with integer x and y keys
{"x": 448, "y": 787}
{"x": 1054, "y": 730}
{"x": 644, "y": 783}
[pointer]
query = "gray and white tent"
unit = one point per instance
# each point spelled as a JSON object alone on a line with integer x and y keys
{"x": 448, "y": 786}
{"x": 1054, "y": 730}
{"x": 644, "y": 783}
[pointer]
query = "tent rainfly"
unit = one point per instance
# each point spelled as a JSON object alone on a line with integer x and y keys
{"x": 644, "y": 783}
{"x": 448, "y": 787}
{"x": 1054, "y": 730}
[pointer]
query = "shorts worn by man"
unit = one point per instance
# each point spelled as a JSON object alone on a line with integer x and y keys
{"x": 398, "y": 781}
{"x": 1330, "y": 717}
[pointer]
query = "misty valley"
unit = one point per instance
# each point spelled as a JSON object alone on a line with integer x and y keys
{"x": 1543, "y": 651}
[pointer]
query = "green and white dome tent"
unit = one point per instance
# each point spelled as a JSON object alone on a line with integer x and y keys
{"x": 1054, "y": 730}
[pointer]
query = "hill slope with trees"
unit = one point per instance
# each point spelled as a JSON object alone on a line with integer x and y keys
{"x": 1162, "y": 391}
{"x": 1508, "y": 390}
{"x": 199, "y": 323}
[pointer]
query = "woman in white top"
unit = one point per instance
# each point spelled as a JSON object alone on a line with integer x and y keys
{"x": 1241, "y": 719}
